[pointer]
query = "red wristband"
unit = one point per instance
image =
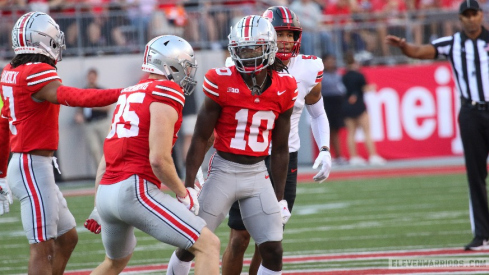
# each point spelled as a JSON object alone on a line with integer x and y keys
{"x": 76, "y": 97}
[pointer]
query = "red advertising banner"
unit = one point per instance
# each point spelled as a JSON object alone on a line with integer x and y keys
{"x": 413, "y": 112}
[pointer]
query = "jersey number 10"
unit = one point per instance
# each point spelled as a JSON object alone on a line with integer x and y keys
{"x": 239, "y": 142}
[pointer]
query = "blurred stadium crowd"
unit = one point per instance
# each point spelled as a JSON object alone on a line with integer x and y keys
{"x": 94, "y": 27}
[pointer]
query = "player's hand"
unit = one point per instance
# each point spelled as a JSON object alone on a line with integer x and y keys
{"x": 284, "y": 211}
{"x": 324, "y": 158}
{"x": 200, "y": 181}
{"x": 5, "y": 196}
{"x": 93, "y": 222}
{"x": 190, "y": 200}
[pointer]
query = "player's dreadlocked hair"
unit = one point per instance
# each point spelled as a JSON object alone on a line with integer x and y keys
{"x": 279, "y": 66}
{"x": 22, "y": 59}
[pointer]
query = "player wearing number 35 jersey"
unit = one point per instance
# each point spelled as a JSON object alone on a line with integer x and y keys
{"x": 137, "y": 159}
{"x": 247, "y": 106}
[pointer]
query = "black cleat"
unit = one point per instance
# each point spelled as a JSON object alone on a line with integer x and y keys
{"x": 478, "y": 244}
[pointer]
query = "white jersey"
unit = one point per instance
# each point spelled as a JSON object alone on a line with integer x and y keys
{"x": 308, "y": 72}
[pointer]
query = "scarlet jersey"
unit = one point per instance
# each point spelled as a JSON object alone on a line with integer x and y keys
{"x": 33, "y": 125}
{"x": 246, "y": 121}
{"x": 126, "y": 147}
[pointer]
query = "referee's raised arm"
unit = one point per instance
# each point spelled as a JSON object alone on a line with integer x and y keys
{"x": 426, "y": 51}
{"x": 468, "y": 52}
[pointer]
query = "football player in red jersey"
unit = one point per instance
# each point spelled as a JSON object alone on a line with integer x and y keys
{"x": 247, "y": 106}
{"x": 308, "y": 71}
{"x": 31, "y": 90}
{"x": 137, "y": 159}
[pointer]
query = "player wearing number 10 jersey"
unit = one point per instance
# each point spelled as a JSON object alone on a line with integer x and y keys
{"x": 308, "y": 71}
{"x": 246, "y": 106}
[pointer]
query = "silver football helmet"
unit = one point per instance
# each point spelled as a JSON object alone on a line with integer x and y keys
{"x": 252, "y": 44}
{"x": 173, "y": 57}
{"x": 38, "y": 33}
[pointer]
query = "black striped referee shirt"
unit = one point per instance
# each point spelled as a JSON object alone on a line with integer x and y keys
{"x": 470, "y": 63}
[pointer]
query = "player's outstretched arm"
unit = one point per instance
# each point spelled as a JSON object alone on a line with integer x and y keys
{"x": 425, "y": 51}
{"x": 56, "y": 93}
{"x": 320, "y": 130}
{"x": 204, "y": 129}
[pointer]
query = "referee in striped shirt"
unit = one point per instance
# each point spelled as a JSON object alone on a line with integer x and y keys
{"x": 468, "y": 52}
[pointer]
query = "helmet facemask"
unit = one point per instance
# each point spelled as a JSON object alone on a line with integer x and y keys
{"x": 251, "y": 58}
{"x": 289, "y": 49}
{"x": 188, "y": 81}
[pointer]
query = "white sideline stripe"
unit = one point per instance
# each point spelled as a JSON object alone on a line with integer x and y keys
{"x": 371, "y": 224}
{"x": 41, "y": 73}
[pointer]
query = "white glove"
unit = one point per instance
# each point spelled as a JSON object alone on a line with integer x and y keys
{"x": 200, "y": 181}
{"x": 324, "y": 158}
{"x": 284, "y": 211}
{"x": 190, "y": 200}
{"x": 93, "y": 223}
{"x": 5, "y": 196}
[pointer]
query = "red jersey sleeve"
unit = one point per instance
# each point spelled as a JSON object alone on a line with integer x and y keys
{"x": 39, "y": 75}
{"x": 211, "y": 84}
{"x": 168, "y": 92}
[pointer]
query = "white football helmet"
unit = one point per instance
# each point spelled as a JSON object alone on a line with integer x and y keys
{"x": 252, "y": 44}
{"x": 173, "y": 57}
{"x": 38, "y": 33}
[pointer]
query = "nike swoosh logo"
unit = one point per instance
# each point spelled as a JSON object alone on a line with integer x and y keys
{"x": 280, "y": 93}
{"x": 267, "y": 176}
{"x": 293, "y": 170}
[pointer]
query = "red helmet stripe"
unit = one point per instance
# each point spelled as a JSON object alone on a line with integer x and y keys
{"x": 247, "y": 27}
{"x": 145, "y": 61}
{"x": 22, "y": 26}
{"x": 286, "y": 15}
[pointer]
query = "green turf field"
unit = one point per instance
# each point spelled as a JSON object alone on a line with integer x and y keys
{"x": 335, "y": 217}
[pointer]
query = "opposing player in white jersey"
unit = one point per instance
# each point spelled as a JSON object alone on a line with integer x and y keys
{"x": 308, "y": 71}
{"x": 246, "y": 106}
{"x": 137, "y": 157}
